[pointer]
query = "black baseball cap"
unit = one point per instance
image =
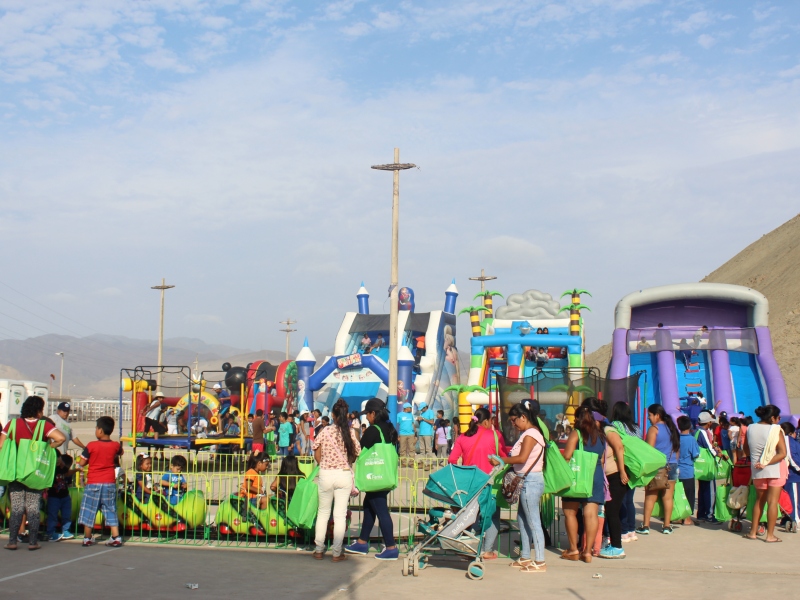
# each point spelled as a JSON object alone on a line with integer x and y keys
{"x": 64, "y": 406}
{"x": 373, "y": 405}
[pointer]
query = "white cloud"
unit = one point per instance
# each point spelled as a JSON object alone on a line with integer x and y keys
{"x": 706, "y": 41}
{"x": 357, "y": 29}
{"x": 695, "y": 21}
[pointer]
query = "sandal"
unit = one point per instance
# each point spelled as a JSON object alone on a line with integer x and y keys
{"x": 775, "y": 541}
{"x": 575, "y": 556}
{"x": 534, "y": 568}
{"x": 10, "y": 546}
{"x": 489, "y": 556}
{"x": 34, "y": 547}
{"x": 521, "y": 563}
{"x": 587, "y": 558}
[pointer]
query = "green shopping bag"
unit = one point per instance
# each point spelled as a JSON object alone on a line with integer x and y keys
{"x": 641, "y": 459}
{"x": 724, "y": 468}
{"x": 635, "y": 482}
{"x": 36, "y": 461}
{"x": 302, "y": 510}
{"x": 751, "y": 501}
{"x": 582, "y": 465}
{"x": 705, "y": 467}
{"x": 376, "y": 467}
{"x": 721, "y": 510}
{"x": 557, "y": 472}
{"x": 8, "y": 456}
{"x": 680, "y": 505}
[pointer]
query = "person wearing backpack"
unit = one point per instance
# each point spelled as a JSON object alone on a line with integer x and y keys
{"x": 375, "y": 506}
{"x": 24, "y": 499}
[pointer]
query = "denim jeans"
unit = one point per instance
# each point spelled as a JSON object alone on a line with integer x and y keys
{"x": 490, "y": 535}
{"x": 375, "y": 506}
{"x": 705, "y": 500}
{"x": 628, "y": 513}
{"x": 54, "y": 506}
{"x": 529, "y": 519}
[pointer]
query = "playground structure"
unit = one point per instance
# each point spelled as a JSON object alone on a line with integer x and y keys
{"x": 709, "y": 338}
{"x": 357, "y": 371}
{"x": 531, "y": 320}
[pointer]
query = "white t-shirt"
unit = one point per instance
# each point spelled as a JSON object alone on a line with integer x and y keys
{"x": 64, "y": 428}
{"x": 154, "y": 412}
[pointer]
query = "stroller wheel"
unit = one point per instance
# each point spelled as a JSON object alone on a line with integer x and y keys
{"x": 405, "y": 567}
{"x": 475, "y": 570}
{"x": 792, "y": 527}
{"x": 738, "y": 526}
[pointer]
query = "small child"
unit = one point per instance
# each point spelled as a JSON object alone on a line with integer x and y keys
{"x": 284, "y": 434}
{"x": 100, "y": 492}
{"x": 58, "y": 500}
{"x": 441, "y": 439}
{"x": 172, "y": 421}
{"x": 689, "y": 453}
{"x": 144, "y": 478}
{"x": 283, "y": 485}
{"x": 173, "y": 483}
{"x": 253, "y": 485}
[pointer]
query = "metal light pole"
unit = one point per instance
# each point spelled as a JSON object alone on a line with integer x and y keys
{"x": 288, "y": 322}
{"x": 395, "y": 167}
{"x": 61, "y": 377}
{"x": 163, "y": 287}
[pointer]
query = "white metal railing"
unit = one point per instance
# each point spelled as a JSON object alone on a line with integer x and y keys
{"x": 90, "y": 410}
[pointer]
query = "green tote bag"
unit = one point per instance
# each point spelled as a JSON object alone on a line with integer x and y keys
{"x": 302, "y": 509}
{"x": 705, "y": 467}
{"x": 36, "y": 461}
{"x": 376, "y": 467}
{"x": 641, "y": 459}
{"x": 680, "y": 505}
{"x": 557, "y": 472}
{"x": 582, "y": 465}
{"x": 8, "y": 456}
{"x": 721, "y": 510}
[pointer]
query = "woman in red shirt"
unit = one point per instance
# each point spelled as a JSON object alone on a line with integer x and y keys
{"x": 474, "y": 448}
{"x": 23, "y": 499}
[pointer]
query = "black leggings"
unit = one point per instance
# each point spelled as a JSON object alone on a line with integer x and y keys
{"x": 24, "y": 501}
{"x": 613, "y": 506}
{"x": 375, "y": 505}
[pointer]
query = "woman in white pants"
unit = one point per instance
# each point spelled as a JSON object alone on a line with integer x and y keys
{"x": 335, "y": 449}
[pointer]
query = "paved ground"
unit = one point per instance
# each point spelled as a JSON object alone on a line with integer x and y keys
{"x": 684, "y": 565}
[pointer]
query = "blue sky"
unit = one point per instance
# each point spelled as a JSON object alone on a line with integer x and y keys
{"x": 605, "y": 144}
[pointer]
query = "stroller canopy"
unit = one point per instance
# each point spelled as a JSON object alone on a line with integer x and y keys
{"x": 455, "y": 485}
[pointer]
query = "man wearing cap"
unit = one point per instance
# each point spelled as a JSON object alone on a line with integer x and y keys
{"x": 425, "y": 421}
{"x": 61, "y": 420}
{"x": 406, "y": 437}
{"x": 705, "y": 500}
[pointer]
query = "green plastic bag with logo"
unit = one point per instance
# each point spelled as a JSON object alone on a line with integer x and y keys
{"x": 582, "y": 465}
{"x": 36, "y": 460}
{"x": 641, "y": 459}
{"x": 302, "y": 509}
{"x": 751, "y": 502}
{"x": 721, "y": 510}
{"x": 680, "y": 505}
{"x": 557, "y": 472}
{"x": 724, "y": 468}
{"x": 8, "y": 456}
{"x": 376, "y": 467}
{"x": 705, "y": 467}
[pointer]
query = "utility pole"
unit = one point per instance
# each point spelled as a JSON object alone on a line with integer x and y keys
{"x": 395, "y": 167}
{"x": 61, "y": 377}
{"x": 483, "y": 279}
{"x": 163, "y": 287}
{"x": 288, "y": 322}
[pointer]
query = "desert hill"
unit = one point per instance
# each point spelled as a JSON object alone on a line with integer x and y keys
{"x": 770, "y": 265}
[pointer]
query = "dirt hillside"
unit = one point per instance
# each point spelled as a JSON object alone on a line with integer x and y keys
{"x": 770, "y": 265}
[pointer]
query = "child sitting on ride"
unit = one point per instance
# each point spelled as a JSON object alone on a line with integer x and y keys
{"x": 144, "y": 478}
{"x": 253, "y": 485}
{"x": 286, "y": 481}
{"x": 173, "y": 483}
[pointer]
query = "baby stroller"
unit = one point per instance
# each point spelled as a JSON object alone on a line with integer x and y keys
{"x": 740, "y": 477}
{"x": 466, "y": 493}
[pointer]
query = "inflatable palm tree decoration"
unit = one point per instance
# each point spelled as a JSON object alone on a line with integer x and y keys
{"x": 464, "y": 407}
{"x": 474, "y": 318}
{"x": 487, "y": 300}
{"x": 574, "y": 309}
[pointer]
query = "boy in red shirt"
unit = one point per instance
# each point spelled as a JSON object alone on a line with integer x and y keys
{"x": 100, "y": 492}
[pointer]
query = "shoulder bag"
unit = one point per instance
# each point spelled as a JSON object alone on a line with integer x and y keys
{"x": 512, "y": 482}
{"x": 376, "y": 467}
{"x": 8, "y": 455}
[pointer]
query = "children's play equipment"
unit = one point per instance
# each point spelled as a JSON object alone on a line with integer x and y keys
{"x": 692, "y": 338}
{"x": 157, "y": 514}
{"x": 237, "y": 516}
{"x": 358, "y": 369}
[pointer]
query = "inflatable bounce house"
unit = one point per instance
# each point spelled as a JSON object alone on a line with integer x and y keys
{"x": 698, "y": 343}
{"x": 532, "y": 347}
{"x": 359, "y": 367}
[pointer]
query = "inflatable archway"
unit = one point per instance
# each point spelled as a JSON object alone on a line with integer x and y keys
{"x": 207, "y": 399}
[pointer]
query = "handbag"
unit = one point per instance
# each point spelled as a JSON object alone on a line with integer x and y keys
{"x": 302, "y": 509}
{"x": 512, "y": 481}
{"x": 376, "y": 468}
{"x": 8, "y": 456}
{"x": 737, "y": 497}
{"x": 36, "y": 460}
{"x": 660, "y": 481}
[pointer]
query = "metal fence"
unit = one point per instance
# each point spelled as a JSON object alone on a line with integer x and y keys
{"x": 90, "y": 410}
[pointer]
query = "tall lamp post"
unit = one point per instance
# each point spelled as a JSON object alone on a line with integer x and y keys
{"x": 288, "y": 329}
{"x": 483, "y": 279}
{"x": 61, "y": 377}
{"x": 395, "y": 167}
{"x": 163, "y": 287}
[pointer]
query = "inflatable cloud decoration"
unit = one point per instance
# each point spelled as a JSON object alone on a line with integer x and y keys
{"x": 532, "y": 304}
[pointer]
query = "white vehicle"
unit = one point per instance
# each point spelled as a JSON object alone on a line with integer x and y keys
{"x": 13, "y": 393}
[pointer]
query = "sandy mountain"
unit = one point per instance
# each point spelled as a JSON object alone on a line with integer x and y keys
{"x": 769, "y": 265}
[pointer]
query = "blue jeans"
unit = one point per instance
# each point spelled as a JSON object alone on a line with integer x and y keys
{"x": 705, "y": 500}
{"x": 528, "y": 518}
{"x": 628, "y": 513}
{"x": 375, "y": 506}
{"x": 54, "y": 506}
{"x": 490, "y": 535}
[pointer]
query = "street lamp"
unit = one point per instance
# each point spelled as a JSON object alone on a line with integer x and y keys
{"x": 161, "y": 287}
{"x": 395, "y": 167}
{"x": 61, "y": 377}
{"x": 288, "y": 330}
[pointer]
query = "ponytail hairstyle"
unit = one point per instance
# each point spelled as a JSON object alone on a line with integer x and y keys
{"x": 767, "y": 412}
{"x": 340, "y": 418}
{"x": 587, "y": 423}
{"x": 530, "y": 410}
{"x": 666, "y": 418}
{"x": 255, "y": 458}
{"x": 479, "y": 417}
